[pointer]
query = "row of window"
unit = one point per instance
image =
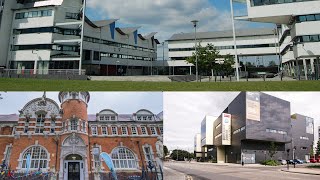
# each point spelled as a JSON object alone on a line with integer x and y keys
{"x": 97, "y": 56}
{"x": 124, "y": 130}
{"x": 239, "y": 130}
{"x": 33, "y": 14}
{"x": 75, "y": 32}
{"x": 113, "y": 118}
{"x": 270, "y": 2}
{"x": 308, "y": 38}
{"x": 107, "y": 118}
{"x": 47, "y": 47}
{"x": 304, "y": 138}
{"x": 311, "y": 17}
{"x": 116, "y": 44}
{"x": 75, "y": 16}
{"x": 276, "y": 131}
{"x": 226, "y": 47}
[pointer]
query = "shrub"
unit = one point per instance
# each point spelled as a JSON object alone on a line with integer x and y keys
{"x": 270, "y": 163}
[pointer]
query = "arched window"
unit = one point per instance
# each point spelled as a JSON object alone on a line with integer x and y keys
{"x": 39, "y": 158}
{"x": 123, "y": 158}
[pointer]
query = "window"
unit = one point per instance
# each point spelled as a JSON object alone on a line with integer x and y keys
{"x": 153, "y": 131}
{"x": 113, "y": 118}
{"x": 32, "y": 14}
{"x": 52, "y": 124}
{"x": 40, "y": 123}
{"x": 144, "y": 118}
{"x": 72, "y": 16}
{"x": 104, "y": 130}
{"x": 144, "y": 130}
{"x": 150, "y": 118}
{"x": 123, "y": 158}
{"x": 134, "y": 130}
{"x": 74, "y": 125}
{"x": 124, "y": 130}
{"x": 148, "y": 153}
{"x": 7, "y": 155}
{"x": 84, "y": 126}
{"x": 139, "y": 118}
{"x": 102, "y": 118}
{"x": 39, "y": 158}
{"x": 161, "y": 130}
{"x": 63, "y": 126}
{"x": 94, "y": 130}
{"x": 114, "y": 130}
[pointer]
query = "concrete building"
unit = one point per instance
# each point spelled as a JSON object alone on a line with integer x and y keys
{"x": 302, "y": 137}
{"x": 207, "y": 146}
{"x": 46, "y": 36}
{"x": 251, "y": 122}
{"x": 65, "y": 139}
{"x": 253, "y": 44}
{"x": 197, "y": 146}
{"x": 298, "y": 25}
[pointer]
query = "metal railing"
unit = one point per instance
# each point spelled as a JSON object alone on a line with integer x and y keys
{"x": 31, "y": 72}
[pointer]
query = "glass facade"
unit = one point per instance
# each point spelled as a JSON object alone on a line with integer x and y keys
{"x": 227, "y": 47}
{"x": 33, "y": 14}
{"x": 270, "y": 2}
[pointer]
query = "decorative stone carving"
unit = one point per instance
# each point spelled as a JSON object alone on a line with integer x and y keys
{"x": 74, "y": 139}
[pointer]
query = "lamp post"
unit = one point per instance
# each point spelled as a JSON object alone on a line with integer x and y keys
{"x": 82, "y": 35}
{"x": 163, "y": 57}
{"x": 234, "y": 40}
{"x": 195, "y": 22}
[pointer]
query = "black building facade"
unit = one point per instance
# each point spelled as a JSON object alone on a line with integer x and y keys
{"x": 257, "y": 119}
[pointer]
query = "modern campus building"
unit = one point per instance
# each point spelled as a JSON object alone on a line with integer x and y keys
{"x": 207, "y": 146}
{"x": 298, "y": 23}
{"x": 197, "y": 146}
{"x": 255, "y": 45}
{"x": 65, "y": 139}
{"x": 251, "y": 122}
{"x": 46, "y": 36}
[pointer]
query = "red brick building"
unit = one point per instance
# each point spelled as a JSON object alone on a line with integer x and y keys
{"x": 66, "y": 139}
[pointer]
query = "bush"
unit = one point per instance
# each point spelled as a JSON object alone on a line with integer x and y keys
{"x": 270, "y": 163}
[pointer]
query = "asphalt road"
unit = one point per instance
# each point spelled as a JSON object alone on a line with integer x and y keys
{"x": 233, "y": 172}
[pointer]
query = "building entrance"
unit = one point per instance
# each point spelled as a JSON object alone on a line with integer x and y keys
{"x": 73, "y": 170}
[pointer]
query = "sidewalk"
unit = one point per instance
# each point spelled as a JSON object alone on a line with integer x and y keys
{"x": 170, "y": 174}
{"x": 230, "y": 164}
{"x": 303, "y": 171}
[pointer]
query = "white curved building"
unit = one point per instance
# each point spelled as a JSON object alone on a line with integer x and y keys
{"x": 43, "y": 36}
{"x": 298, "y": 23}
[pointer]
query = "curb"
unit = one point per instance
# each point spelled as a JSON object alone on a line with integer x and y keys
{"x": 318, "y": 174}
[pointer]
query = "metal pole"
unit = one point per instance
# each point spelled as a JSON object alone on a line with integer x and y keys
{"x": 163, "y": 58}
{"x": 82, "y": 35}
{"x": 234, "y": 39}
{"x": 195, "y": 35}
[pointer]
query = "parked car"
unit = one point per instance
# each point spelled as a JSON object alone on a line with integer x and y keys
{"x": 313, "y": 160}
{"x": 282, "y": 161}
{"x": 290, "y": 162}
{"x": 298, "y": 161}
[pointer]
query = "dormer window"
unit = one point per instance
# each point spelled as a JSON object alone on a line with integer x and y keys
{"x": 102, "y": 118}
{"x": 113, "y": 118}
{"x": 144, "y": 118}
{"x": 150, "y": 118}
{"x": 139, "y": 118}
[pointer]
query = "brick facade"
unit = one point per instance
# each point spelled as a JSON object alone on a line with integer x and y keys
{"x": 68, "y": 130}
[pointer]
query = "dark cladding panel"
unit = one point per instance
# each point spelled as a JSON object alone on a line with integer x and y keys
{"x": 275, "y": 122}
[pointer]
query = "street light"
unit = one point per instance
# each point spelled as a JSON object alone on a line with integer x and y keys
{"x": 82, "y": 34}
{"x": 163, "y": 57}
{"x": 195, "y": 22}
{"x": 234, "y": 40}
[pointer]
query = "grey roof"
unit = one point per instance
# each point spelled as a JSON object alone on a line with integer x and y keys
{"x": 223, "y": 34}
{"x": 104, "y": 22}
{"x": 9, "y": 118}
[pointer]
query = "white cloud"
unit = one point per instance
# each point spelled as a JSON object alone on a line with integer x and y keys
{"x": 165, "y": 16}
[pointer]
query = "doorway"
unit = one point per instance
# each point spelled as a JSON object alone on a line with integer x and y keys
{"x": 73, "y": 168}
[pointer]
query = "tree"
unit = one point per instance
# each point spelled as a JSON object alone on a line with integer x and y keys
{"x": 227, "y": 64}
{"x": 272, "y": 64}
{"x": 165, "y": 150}
{"x": 207, "y": 57}
{"x": 318, "y": 148}
{"x": 272, "y": 150}
{"x": 180, "y": 155}
{"x": 311, "y": 151}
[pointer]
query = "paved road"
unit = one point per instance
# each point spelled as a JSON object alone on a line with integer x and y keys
{"x": 235, "y": 172}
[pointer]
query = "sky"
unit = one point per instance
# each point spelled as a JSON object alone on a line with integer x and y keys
{"x": 120, "y": 102}
{"x": 168, "y": 17}
{"x": 184, "y": 112}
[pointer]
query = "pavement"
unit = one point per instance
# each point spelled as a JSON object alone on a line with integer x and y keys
{"x": 208, "y": 171}
{"x": 303, "y": 171}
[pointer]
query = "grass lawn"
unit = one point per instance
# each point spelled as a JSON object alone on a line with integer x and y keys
{"x": 314, "y": 166}
{"x": 69, "y": 85}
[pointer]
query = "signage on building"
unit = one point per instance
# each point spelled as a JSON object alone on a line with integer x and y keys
{"x": 226, "y": 129}
{"x": 309, "y": 125}
{"x": 253, "y": 106}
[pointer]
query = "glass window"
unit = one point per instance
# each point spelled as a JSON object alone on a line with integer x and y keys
{"x": 123, "y": 158}
{"x": 161, "y": 130}
{"x": 134, "y": 130}
{"x": 94, "y": 130}
{"x": 83, "y": 126}
{"x": 104, "y": 130}
{"x": 40, "y": 123}
{"x": 302, "y": 18}
{"x": 144, "y": 130}
{"x": 74, "y": 125}
{"x": 311, "y": 18}
{"x": 102, "y": 118}
{"x": 314, "y": 38}
{"x": 153, "y": 131}
{"x": 114, "y": 130}
{"x": 124, "y": 130}
{"x": 34, "y": 13}
{"x": 317, "y": 16}
{"x": 148, "y": 154}
{"x": 39, "y": 158}
{"x": 305, "y": 39}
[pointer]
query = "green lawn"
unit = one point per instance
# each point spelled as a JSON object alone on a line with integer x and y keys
{"x": 69, "y": 85}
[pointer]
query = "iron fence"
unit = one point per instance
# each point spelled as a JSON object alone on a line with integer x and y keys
{"x": 6, "y": 175}
{"x": 31, "y": 72}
